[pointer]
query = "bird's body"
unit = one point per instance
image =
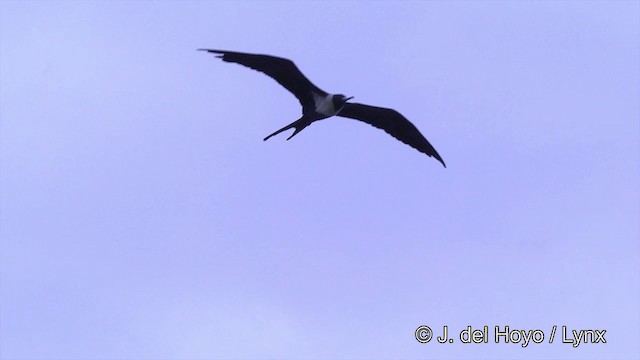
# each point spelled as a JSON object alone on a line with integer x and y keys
{"x": 318, "y": 104}
{"x": 325, "y": 105}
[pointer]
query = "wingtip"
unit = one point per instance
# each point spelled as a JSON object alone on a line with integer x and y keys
{"x": 220, "y": 54}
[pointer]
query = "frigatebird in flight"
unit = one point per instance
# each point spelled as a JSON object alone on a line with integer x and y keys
{"x": 318, "y": 104}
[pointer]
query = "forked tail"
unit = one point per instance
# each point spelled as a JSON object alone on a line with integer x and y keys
{"x": 298, "y": 125}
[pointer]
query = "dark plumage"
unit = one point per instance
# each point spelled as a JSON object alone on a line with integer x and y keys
{"x": 318, "y": 104}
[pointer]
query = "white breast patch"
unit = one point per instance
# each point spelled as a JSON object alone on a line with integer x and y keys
{"x": 324, "y": 104}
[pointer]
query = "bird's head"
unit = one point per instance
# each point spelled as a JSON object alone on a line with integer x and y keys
{"x": 339, "y": 100}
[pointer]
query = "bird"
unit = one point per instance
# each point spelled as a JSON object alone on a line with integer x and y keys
{"x": 317, "y": 104}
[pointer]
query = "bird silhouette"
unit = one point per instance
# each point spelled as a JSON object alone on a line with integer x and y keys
{"x": 318, "y": 104}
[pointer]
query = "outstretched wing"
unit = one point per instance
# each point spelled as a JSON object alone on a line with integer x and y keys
{"x": 393, "y": 123}
{"x": 282, "y": 70}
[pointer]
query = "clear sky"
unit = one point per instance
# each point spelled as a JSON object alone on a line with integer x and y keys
{"x": 143, "y": 217}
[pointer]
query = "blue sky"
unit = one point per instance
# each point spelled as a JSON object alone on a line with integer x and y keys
{"x": 143, "y": 217}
